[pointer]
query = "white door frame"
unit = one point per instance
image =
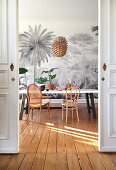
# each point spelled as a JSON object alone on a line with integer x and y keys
{"x": 99, "y": 74}
{"x": 13, "y": 50}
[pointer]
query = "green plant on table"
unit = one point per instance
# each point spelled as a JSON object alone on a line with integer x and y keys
{"x": 50, "y": 75}
{"x": 41, "y": 80}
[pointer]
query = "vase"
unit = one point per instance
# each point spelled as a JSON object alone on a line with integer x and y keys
{"x": 41, "y": 86}
{"x": 50, "y": 86}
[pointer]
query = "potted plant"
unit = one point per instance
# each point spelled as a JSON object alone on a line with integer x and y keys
{"x": 22, "y": 78}
{"x": 22, "y": 70}
{"x": 50, "y": 77}
{"x": 41, "y": 81}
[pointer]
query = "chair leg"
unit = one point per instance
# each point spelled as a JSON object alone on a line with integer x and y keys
{"x": 40, "y": 114}
{"x": 77, "y": 113}
{"x": 32, "y": 114}
{"x": 66, "y": 113}
{"x": 48, "y": 107}
{"x": 62, "y": 112}
{"x": 72, "y": 113}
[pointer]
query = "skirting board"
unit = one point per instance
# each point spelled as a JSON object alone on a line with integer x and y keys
{"x": 57, "y": 102}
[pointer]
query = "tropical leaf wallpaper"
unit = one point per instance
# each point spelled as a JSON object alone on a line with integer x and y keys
{"x": 79, "y": 65}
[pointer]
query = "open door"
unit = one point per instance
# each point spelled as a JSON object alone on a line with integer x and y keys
{"x": 8, "y": 77}
{"x": 107, "y": 75}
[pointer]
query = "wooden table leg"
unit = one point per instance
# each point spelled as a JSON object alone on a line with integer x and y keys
{"x": 93, "y": 105}
{"x": 22, "y": 106}
{"x": 87, "y": 99}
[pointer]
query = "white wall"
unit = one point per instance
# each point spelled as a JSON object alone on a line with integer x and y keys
{"x": 66, "y": 16}
{"x": 72, "y": 19}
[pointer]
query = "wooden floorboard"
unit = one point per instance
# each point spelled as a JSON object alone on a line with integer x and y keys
{"x": 104, "y": 157}
{"x": 4, "y": 161}
{"x": 54, "y": 145}
{"x": 22, "y": 126}
{"x": 16, "y": 161}
{"x": 27, "y": 162}
{"x": 39, "y": 162}
{"x": 83, "y": 158}
{"x": 61, "y": 162}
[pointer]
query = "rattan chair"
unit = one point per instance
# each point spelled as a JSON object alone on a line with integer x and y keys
{"x": 71, "y": 101}
{"x": 34, "y": 95}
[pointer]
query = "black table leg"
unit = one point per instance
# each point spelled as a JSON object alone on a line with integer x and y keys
{"x": 93, "y": 105}
{"x": 87, "y": 99}
{"x": 26, "y": 108}
{"x": 22, "y": 106}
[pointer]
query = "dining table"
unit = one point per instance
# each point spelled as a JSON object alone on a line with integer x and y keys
{"x": 89, "y": 94}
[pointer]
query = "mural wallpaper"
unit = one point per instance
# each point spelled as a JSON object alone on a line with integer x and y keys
{"x": 79, "y": 65}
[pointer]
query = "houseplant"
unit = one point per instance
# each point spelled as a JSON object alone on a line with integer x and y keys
{"x": 22, "y": 70}
{"x": 50, "y": 77}
{"x": 41, "y": 81}
{"x": 22, "y": 78}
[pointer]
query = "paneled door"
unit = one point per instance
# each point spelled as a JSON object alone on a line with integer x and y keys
{"x": 8, "y": 77}
{"x": 107, "y": 75}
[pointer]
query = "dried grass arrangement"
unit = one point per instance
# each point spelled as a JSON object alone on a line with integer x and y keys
{"x": 59, "y": 46}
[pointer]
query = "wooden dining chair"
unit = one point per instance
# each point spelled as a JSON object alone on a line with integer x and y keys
{"x": 69, "y": 85}
{"x": 34, "y": 95}
{"x": 71, "y": 101}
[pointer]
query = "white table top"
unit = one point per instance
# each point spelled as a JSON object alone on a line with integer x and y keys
{"x": 62, "y": 92}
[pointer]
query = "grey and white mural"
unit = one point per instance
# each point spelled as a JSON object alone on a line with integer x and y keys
{"x": 79, "y": 65}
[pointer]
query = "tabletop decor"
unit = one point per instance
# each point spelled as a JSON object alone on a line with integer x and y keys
{"x": 41, "y": 82}
{"x": 50, "y": 77}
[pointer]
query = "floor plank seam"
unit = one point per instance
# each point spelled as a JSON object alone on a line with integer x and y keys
{"x": 23, "y": 128}
{"x": 86, "y": 152}
{"x": 66, "y": 149}
{"x": 94, "y": 149}
{"x": 78, "y": 158}
{"x": 28, "y": 146}
{"x": 37, "y": 148}
{"x": 22, "y": 161}
{"x": 19, "y": 153}
{"x": 47, "y": 146}
{"x": 111, "y": 159}
{"x": 9, "y": 160}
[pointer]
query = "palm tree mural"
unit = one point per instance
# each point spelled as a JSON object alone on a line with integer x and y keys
{"x": 84, "y": 53}
{"x": 35, "y": 46}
